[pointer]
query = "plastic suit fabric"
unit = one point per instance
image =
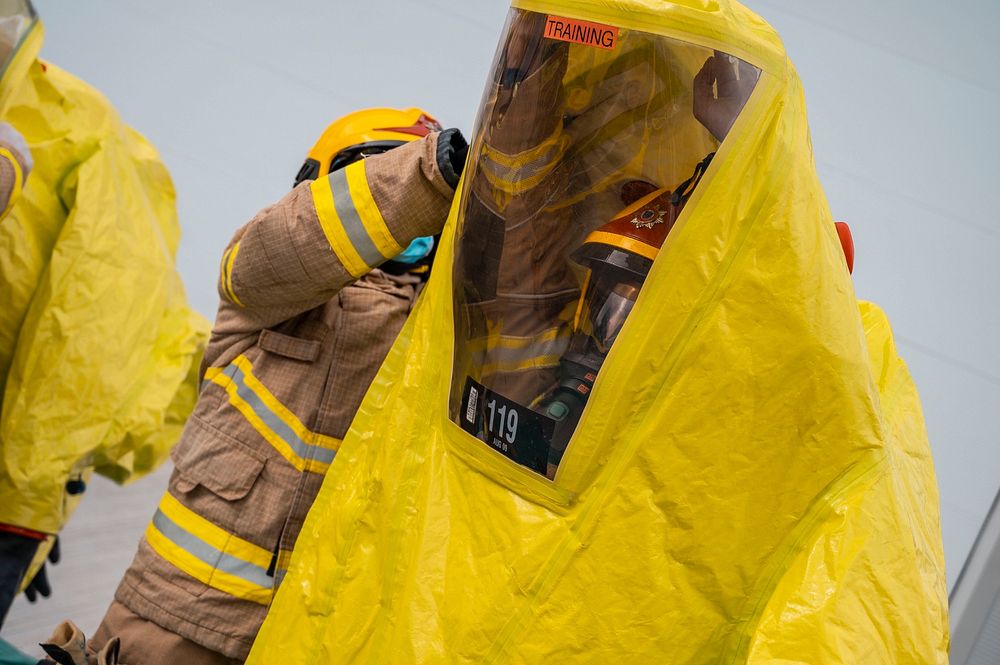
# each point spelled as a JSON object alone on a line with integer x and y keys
{"x": 750, "y": 481}
{"x": 99, "y": 350}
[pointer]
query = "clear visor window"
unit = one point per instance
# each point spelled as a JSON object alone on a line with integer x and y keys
{"x": 16, "y": 17}
{"x": 588, "y": 142}
{"x": 609, "y": 308}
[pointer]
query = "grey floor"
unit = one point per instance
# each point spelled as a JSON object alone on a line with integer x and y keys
{"x": 97, "y": 546}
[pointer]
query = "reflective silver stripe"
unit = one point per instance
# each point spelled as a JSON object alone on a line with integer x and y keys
{"x": 306, "y": 451}
{"x": 518, "y": 172}
{"x": 515, "y": 174}
{"x": 351, "y": 220}
{"x": 279, "y": 577}
{"x": 208, "y": 554}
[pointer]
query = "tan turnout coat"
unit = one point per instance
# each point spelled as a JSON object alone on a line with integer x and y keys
{"x": 296, "y": 343}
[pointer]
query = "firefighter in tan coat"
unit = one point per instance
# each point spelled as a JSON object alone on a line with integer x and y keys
{"x": 305, "y": 320}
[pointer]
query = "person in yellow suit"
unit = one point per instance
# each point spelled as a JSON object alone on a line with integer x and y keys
{"x": 99, "y": 350}
{"x": 749, "y": 479}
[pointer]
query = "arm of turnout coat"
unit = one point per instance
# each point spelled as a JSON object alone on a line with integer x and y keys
{"x": 327, "y": 233}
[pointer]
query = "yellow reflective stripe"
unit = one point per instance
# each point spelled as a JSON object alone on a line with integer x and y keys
{"x": 333, "y": 229}
{"x": 504, "y": 367}
{"x": 209, "y": 553}
{"x": 516, "y": 182}
{"x": 511, "y": 187}
{"x": 281, "y": 567}
{"x": 284, "y": 558}
{"x": 516, "y": 174}
{"x": 15, "y": 191}
{"x": 229, "y": 274}
{"x": 556, "y": 140}
{"x": 222, "y": 269}
{"x": 256, "y": 422}
{"x": 538, "y": 351}
{"x": 514, "y": 342}
{"x": 295, "y": 445}
{"x": 624, "y": 242}
{"x": 367, "y": 209}
{"x": 213, "y": 534}
{"x": 493, "y": 340}
{"x": 282, "y": 411}
{"x": 222, "y": 274}
{"x": 204, "y": 572}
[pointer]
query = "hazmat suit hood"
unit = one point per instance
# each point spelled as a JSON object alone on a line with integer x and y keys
{"x": 749, "y": 480}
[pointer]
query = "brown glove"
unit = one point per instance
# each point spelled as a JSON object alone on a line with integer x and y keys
{"x": 68, "y": 646}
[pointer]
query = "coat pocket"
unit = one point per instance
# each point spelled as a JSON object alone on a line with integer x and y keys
{"x": 201, "y": 525}
{"x": 233, "y": 485}
{"x": 209, "y": 457}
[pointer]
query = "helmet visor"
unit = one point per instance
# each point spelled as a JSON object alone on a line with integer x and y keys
{"x": 609, "y": 304}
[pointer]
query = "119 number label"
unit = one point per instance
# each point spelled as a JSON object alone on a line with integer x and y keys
{"x": 510, "y": 428}
{"x": 505, "y": 429}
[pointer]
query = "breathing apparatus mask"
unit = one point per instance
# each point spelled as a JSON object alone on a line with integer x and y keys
{"x": 617, "y": 258}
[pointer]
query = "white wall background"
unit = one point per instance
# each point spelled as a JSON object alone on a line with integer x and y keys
{"x": 904, "y": 100}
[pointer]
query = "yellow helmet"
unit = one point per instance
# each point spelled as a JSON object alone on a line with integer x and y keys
{"x": 363, "y": 133}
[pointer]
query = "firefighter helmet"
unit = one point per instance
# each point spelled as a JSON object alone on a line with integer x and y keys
{"x": 364, "y": 133}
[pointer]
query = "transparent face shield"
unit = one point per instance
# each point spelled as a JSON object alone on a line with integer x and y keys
{"x": 608, "y": 303}
{"x": 16, "y": 18}
{"x": 588, "y": 143}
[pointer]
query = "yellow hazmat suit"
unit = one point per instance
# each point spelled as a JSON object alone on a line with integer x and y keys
{"x": 99, "y": 350}
{"x": 750, "y": 480}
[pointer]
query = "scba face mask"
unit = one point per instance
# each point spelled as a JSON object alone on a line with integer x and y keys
{"x": 589, "y": 142}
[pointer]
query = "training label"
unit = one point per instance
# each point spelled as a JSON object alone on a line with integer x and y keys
{"x": 510, "y": 428}
{"x": 581, "y": 32}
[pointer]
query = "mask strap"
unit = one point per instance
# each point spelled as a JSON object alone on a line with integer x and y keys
{"x": 686, "y": 188}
